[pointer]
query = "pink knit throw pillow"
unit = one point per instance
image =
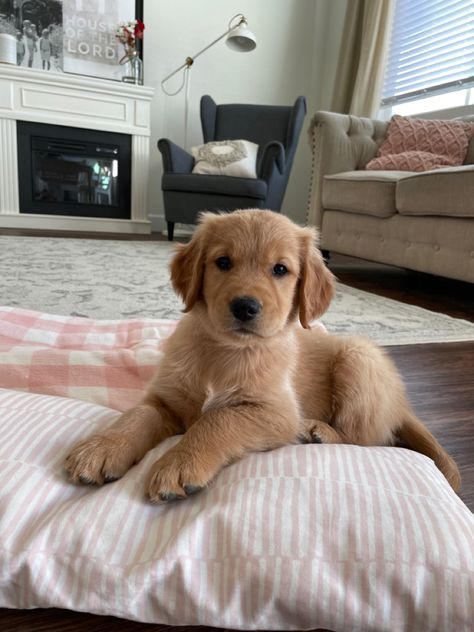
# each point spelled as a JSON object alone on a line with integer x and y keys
{"x": 419, "y": 145}
{"x": 410, "y": 161}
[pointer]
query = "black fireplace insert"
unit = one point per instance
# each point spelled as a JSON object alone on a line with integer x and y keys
{"x": 73, "y": 171}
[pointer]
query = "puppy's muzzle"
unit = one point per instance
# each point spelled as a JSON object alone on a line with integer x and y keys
{"x": 245, "y": 308}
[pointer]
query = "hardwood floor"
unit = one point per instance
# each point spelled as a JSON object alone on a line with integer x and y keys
{"x": 455, "y": 298}
{"x": 440, "y": 385}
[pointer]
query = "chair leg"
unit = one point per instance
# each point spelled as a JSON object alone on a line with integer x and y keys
{"x": 326, "y": 256}
{"x": 170, "y": 230}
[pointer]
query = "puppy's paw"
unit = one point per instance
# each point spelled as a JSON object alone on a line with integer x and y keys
{"x": 315, "y": 436}
{"x": 100, "y": 459}
{"x": 310, "y": 437}
{"x": 321, "y": 432}
{"x": 176, "y": 476}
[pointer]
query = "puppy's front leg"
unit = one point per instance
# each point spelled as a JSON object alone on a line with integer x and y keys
{"x": 219, "y": 437}
{"x": 108, "y": 455}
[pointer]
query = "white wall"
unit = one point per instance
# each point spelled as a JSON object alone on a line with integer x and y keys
{"x": 297, "y": 50}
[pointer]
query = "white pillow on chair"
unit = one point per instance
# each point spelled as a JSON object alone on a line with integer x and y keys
{"x": 237, "y": 158}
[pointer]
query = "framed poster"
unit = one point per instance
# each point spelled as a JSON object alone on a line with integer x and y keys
{"x": 75, "y": 36}
{"x": 90, "y": 45}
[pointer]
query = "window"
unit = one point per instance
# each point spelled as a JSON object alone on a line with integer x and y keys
{"x": 431, "y": 57}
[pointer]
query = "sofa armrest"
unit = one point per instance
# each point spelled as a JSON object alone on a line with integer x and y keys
{"x": 339, "y": 142}
{"x": 175, "y": 159}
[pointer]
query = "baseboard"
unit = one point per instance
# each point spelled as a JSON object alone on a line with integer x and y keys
{"x": 158, "y": 223}
{"x": 62, "y": 222}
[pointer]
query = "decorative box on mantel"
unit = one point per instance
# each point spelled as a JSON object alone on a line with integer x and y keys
{"x": 81, "y": 103}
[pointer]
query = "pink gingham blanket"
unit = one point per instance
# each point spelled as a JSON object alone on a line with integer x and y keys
{"x": 107, "y": 362}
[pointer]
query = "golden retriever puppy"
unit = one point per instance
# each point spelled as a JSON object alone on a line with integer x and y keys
{"x": 241, "y": 374}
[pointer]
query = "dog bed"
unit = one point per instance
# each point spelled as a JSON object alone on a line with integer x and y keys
{"x": 330, "y": 536}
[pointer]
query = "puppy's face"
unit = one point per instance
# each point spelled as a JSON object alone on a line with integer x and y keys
{"x": 255, "y": 271}
{"x": 250, "y": 276}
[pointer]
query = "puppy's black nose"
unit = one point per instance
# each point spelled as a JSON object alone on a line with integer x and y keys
{"x": 245, "y": 308}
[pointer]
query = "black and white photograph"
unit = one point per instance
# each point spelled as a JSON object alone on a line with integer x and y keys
{"x": 37, "y": 26}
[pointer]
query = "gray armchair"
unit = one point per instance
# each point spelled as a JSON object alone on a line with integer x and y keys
{"x": 275, "y": 129}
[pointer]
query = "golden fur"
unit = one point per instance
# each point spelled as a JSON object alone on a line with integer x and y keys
{"x": 232, "y": 386}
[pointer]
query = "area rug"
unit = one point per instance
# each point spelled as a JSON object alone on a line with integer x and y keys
{"x": 113, "y": 279}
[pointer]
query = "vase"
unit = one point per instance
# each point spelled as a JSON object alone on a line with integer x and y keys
{"x": 133, "y": 67}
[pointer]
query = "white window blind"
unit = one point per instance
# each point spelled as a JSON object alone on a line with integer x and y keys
{"x": 431, "y": 49}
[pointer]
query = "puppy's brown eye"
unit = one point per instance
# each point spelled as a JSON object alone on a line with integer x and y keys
{"x": 223, "y": 263}
{"x": 279, "y": 270}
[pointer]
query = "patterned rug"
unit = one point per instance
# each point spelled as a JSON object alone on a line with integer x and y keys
{"x": 130, "y": 279}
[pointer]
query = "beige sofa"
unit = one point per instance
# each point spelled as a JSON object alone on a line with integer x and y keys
{"x": 421, "y": 221}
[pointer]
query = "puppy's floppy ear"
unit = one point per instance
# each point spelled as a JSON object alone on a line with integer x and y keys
{"x": 187, "y": 269}
{"x": 316, "y": 285}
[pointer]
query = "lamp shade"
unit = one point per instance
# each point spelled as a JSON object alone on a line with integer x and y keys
{"x": 241, "y": 39}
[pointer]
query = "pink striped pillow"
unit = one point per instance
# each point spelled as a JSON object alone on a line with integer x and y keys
{"x": 420, "y": 145}
{"x": 330, "y": 536}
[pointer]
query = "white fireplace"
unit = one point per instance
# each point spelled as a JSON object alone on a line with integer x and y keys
{"x": 78, "y": 102}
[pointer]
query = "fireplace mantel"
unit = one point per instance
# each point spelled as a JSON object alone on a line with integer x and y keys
{"x": 75, "y": 101}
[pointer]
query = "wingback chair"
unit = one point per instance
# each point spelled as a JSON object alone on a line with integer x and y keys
{"x": 275, "y": 129}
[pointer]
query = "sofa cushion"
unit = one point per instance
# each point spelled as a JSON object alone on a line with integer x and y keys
{"x": 368, "y": 193}
{"x": 218, "y": 185}
{"x": 448, "y": 191}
